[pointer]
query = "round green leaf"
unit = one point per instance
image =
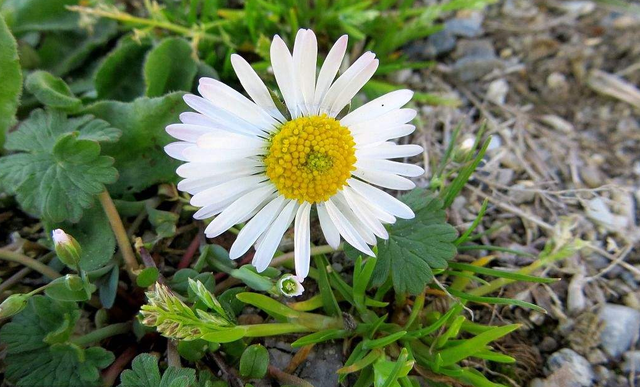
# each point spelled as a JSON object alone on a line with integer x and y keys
{"x": 169, "y": 67}
{"x": 11, "y": 76}
{"x": 147, "y": 277}
{"x": 51, "y": 91}
{"x": 254, "y": 362}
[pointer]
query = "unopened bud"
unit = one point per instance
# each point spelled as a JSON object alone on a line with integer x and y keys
{"x": 73, "y": 282}
{"x": 67, "y": 248}
{"x": 13, "y": 305}
{"x": 290, "y": 286}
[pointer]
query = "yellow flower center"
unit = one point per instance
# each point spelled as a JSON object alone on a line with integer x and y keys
{"x": 310, "y": 158}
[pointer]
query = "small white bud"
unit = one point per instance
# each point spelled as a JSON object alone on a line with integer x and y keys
{"x": 290, "y": 285}
{"x": 67, "y": 248}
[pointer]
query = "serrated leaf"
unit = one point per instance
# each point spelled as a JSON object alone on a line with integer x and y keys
{"x": 61, "y": 52}
{"x": 113, "y": 83}
{"x": 61, "y": 172}
{"x": 164, "y": 222}
{"x": 169, "y": 67}
{"x": 40, "y": 15}
{"x": 11, "y": 76}
{"x": 416, "y": 246}
{"x": 32, "y": 361}
{"x": 144, "y": 372}
{"x": 139, "y": 155}
{"x": 51, "y": 91}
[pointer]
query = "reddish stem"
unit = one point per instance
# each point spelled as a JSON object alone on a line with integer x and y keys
{"x": 190, "y": 253}
{"x": 110, "y": 375}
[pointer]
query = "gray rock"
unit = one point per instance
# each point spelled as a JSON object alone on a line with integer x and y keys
{"x": 470, "y": 27}
{"x": 621, "y": 328}
{"x": 477, "y": 59}
{"x": 438, "y": 44}
{"x": 575, "y": 369}
{"x": 320, "y": 368}
{"x": 631, "y": 361}
{"x": 497, "y": 92}
{"x": 279, "y": 359}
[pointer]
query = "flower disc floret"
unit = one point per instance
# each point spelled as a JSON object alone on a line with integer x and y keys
{"x": 310, "y": 158}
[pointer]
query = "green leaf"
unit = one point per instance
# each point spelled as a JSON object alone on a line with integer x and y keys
{"x": 416, "y": 246}
{"x": 61, "y": 170}
{"x": 170, "y": 67}
{"x": 93, "y": 233}
{"x": 39, "y": 354}
{"x": 319, "y": 337}
{"x": 254, "y": 362}
{"x": 147, "y": 277}
{"x": 144, "y": 372}
{"x": 62, "y": 52}
{"x": 59, "y": 290}
{"x": 139, "y": 155}
{"x": 11, "y": 76}
{"x": 164, "y": 222}
{"x": 51, "y": 91}
{"x": 113, "y": 83}
{"x": 453, "y": 355}
{"x": 40, "y": 15}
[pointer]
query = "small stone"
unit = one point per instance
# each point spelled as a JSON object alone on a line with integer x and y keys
{"x": 631, "y": 361}
{"x": 602, "y": 374}
{"x": 497, "y": 92}
{"x": 278, "y": 358}
{"x": 401, "y": 76}
{"x": 469, "y": 27}
{"x": 477, "y": 59}
{"x": 557, "y": 80}
{"x": 579, "y": 8}
{"x": 577, "y": 370}
{"x": 591, "y": 176}
{"x": 576, "y": 300}
{"x": 622, "y": 326}
{"x": 519, "y": 9}
{"x": 599, "y": 212}
{"x": 522, "y": 192}
{"x": 558, "y": 123}
{"x": 548, "y": 344}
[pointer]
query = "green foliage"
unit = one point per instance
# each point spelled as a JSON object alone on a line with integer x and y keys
{"x": 60, "y": 160}
{"x": 169, "y": 67}
{"x": 416, "y": 246}
{"x": 113, "y": 83}
{"x": 52, "y": 91}
{"x": 147, "y": 277}
{"x": 39, "y": 15}
{"x": 142, "y": 162}
{"x": 11, "y": 76}
{"x": 39, "y": 352}
{"x": 144, "y": 372}
{"x": 254, "y": 362}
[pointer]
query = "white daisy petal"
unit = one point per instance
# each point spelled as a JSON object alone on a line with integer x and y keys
{"x": 346, "y": 229}
{"x": 364, "y": 64}
{"x": 394, "y": 167}
{"x": 228, "y": 141}
{"x": 221, "y": 115}
{"x": 199, "y": 184}
{"x": 230, "y": 100}
{"x": 329, "y": 70}
{"x": 255, "y": 87}
{"x": 176, "y": 150}
{"x": 283, "y": 70}
{"x": 381, "y": 199}
{"x": 188, "y": 133}
{"x": 197, "y": 170}
{"x": 238, "y": 210}
{"x": 389, "y": 150}
{"x": 379, "y": 106}
{"x": 256, "y": 226}
{"x": 352, "y": 88}
{"x": 273, "y": 236}
{"x": 202, "y": 155}
{"x": 226, "y": 189}
{"x": 302, "y": 240}
{"x": 305, "y": 55}
{"x": 329, "y": 230}
{"x": 361, "y": 227}
{"x": 364, "y": 213}
{"x": 364, "y": 139}
{"x": 389, "y": 120}
{"x": 380, "y": 214}
{"x": 384, "y": 179}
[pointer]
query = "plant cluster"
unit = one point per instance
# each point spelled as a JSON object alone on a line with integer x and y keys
{"x": 88, "y": 88}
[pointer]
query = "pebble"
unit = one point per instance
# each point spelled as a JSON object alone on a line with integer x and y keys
{"x": 599, "y": 212}
{"x": 519, "y": 9}
{"x": 497, "y": 92}
{"x": 548, "y": 344}
{"x": 576, "y": 300}
{"x": 558, "y": 123}
{"x": 477, "y": 59}
{"x": 522, "y": 193}
{"x": 579, "y": 8}
{"x": 591, "y": 176}
{"x": 621, "y": 328}
{"x": 576, "y": 370}
{"x": 468, "y": 27}
{"x": 320, "y": 369}
{"x": 278, "y": 358}
{"x": 631, "y": 361}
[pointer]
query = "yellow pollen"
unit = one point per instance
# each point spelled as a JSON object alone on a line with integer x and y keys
{"x": 310, "y": 158}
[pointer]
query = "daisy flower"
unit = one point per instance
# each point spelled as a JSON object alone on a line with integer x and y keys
{"x": 248, "y": 161}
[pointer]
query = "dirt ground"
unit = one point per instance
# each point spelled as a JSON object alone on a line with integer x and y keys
{"x": 556, "y": 83}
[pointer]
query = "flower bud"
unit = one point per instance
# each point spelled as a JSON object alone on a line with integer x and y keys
{"x": 290, "y": 286}
{"x": 67, "y": 248}
{"x": 13, "y": 305}
{"x": 73, "y": 282}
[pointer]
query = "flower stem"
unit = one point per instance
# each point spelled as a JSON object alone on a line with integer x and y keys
{"x": 260, "y": 330}
{"x": 29, "y": 262}
{"x": 118, "y": 229}
{"x": 102, "y": 333}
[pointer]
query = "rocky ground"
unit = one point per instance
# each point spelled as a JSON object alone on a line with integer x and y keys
{"x": 555, "y": 82}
